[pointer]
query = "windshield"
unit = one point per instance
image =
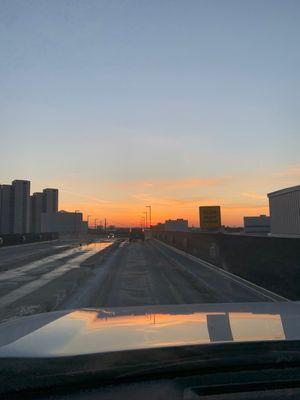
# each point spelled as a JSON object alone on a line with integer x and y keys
{"x": 149, "y": 158}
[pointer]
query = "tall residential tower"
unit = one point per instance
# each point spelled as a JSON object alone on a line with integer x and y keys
{"x": 20, "y": 206}
{"x": 6, "y": 209}
{"x": 50, "y": 201}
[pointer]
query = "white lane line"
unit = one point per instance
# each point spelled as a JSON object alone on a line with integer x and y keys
{"x": 46, "y": 278}
{"x": 17, "y": 272}
{"x": 237, "y": 279}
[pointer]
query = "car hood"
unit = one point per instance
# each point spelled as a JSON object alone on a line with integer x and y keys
{"x": 90, "y": 331}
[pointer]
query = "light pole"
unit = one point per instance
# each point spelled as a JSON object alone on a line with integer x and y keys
{"x": 150, "y": 209}
{"x": 145, "y": 212}
{"x": 88, "y": 219}
{"x": 75, "y": 222}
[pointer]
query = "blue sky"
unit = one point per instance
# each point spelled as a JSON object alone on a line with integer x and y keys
{"x": 112, "y": 99}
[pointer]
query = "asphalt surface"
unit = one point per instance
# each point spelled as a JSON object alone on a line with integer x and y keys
{"x": 117, "y": 273}
{"x": 152, "y": 273}
{"x": 10, "y": 256}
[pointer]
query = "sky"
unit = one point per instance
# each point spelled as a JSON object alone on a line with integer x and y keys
{"x": 174, "y": 104}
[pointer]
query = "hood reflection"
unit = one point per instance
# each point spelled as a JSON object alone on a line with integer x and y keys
{"x": 86, "y": 331}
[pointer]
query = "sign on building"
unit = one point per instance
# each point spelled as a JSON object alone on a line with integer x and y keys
{"x": 210, "y": 217}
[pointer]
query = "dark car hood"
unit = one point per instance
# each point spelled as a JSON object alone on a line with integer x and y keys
{"x": 90, "y": 331}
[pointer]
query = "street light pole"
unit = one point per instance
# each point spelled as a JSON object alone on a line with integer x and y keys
{"x": 75, "y": 221}
{"x": 150, "y": 209}
{"x": 88, "y": 219}
{"x": 145, "y": 212}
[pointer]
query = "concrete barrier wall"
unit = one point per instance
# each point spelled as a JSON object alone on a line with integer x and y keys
{"x": 271, "y": 262}
{"x": 12, "y": 239}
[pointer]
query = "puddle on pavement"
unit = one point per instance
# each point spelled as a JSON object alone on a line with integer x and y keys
{"x": 96, "y": 246}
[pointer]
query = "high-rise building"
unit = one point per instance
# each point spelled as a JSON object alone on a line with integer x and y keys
{"x": 50, "y": 202}
{"x": 21, "y": 206}
{"x": 20, "y": 212}
{"x": 46, "y": 202}
{"x": 37, "y": 203}
{"x": 6, "y": 209}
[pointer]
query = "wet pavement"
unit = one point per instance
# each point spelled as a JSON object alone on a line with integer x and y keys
{"x": 119, "y": 274}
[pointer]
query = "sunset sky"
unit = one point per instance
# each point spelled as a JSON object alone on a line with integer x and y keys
{"x": 177, "y": 104}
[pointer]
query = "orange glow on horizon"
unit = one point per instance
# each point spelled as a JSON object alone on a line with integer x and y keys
{"x": 123, "y": 203}
{"x": 130, "y": 215}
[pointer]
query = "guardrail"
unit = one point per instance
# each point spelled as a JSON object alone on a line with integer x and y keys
{"x": 270, "y": 262}
{"x": 13, "y": 239}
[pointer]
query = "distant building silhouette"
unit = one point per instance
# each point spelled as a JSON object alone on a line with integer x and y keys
{"x": 6, "y": 209}
{"x": 37, "y": 208}
{"x": 21, "y": 213}
{"x": 159, "y": 226}
{"x": 258, "y": 224}
{"x": 21, "y": 206}
{"x": 46, "y": 202}
{"x": 63, "y": 222}
{"x": 176, "y": 225}
{"x": 50, "y": 201}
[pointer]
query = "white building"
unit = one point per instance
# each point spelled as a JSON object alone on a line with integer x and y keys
{"x": 258, "y": 224}
{"x": 285, "y": 211}
{"x": 63, "y": 222}
{"x": 177, "y": 225}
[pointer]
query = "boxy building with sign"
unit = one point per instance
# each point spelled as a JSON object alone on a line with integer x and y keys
{"x": 210, "y": 218}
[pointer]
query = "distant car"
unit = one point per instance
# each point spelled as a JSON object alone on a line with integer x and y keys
{"x": 110, "y": 236}
{"x": 136, "y": 234}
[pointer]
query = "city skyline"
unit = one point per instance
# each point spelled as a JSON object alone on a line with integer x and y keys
{"x": 188, "y": 210}
{"x": 172, "y": 104}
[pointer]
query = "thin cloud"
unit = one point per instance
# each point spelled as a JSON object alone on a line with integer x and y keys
{"x": 84, "y": 196}
{"x": 172, "y": 201}
{"x": 170, "y": 184}
{"x": 255, "y": 196}
{"x": 292, "y": 171}
{"x": 243, "y": 206}
{"x": 192, "y": 183}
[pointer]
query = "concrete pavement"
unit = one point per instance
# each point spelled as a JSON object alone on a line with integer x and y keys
{"x": 119, "y": 274}
{"x": 12, "y": 256}
{"x": 152, "y": 273}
